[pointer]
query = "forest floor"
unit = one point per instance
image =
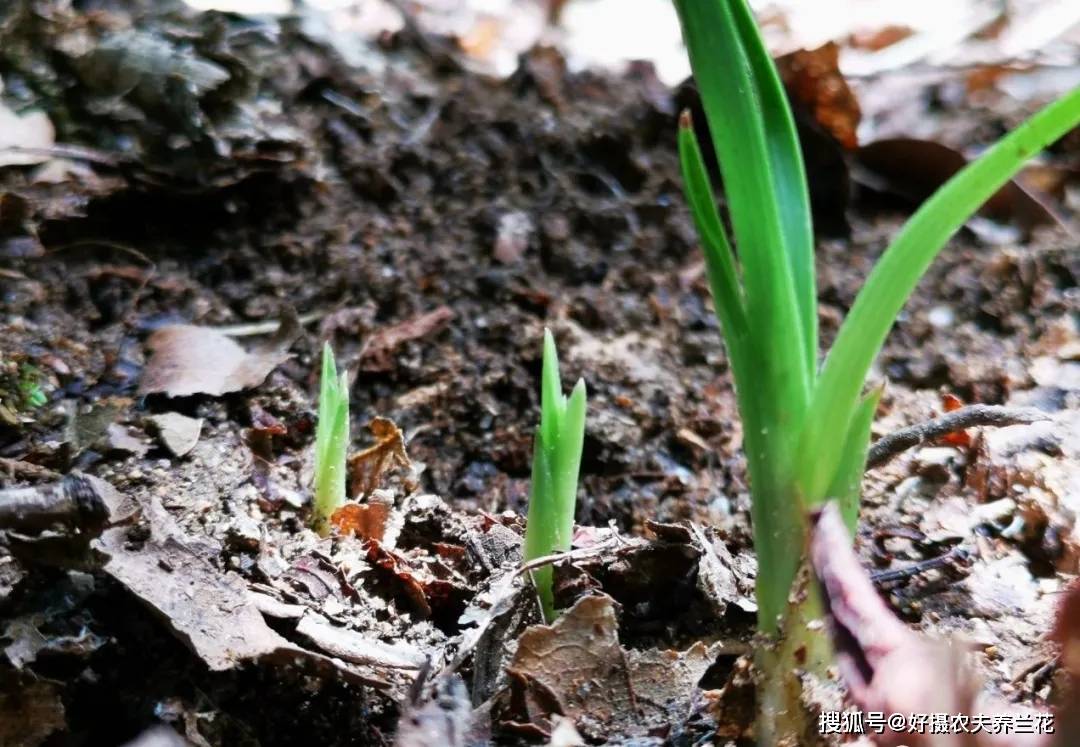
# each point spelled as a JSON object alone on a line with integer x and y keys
{"x": 430, "y": 222}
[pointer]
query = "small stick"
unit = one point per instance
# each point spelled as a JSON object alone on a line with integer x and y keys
{"x": 886, "y": 447}
{"x": 74, "y": 501}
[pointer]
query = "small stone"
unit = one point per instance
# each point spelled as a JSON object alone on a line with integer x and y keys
{"x": 244, "y": 534}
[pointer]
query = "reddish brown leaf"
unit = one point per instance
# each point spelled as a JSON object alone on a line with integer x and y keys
{"x": 365, "y": 520}
{"x": 812, "y": 77}
{"x": 913, "y": 169}
{"x": 379, "y": 349}
{"x": 367, "y": 467}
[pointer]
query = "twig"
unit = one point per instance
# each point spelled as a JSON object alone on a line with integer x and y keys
{"x": 886, "y": 447}
{"x": 584, "y": 552}
{"x": 27, "y": 470}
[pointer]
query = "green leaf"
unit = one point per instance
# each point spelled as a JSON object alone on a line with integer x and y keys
{"x": 331, "y": 441}
{"x": 847, "y": 482}
{"x": 895, "y": 276}
{"x": 719, "y": 259}
{"x": 788, "y": 173}
{"x": 735, "y": 76}
{"x": 556, "y": 463}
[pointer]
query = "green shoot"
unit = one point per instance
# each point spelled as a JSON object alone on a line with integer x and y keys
{"x": 331, "y": 441}
{"x": 556, "y": 463}
{"x": 806, "y": 430}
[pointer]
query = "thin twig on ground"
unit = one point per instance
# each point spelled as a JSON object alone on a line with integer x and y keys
{"x": 886, "y": 447}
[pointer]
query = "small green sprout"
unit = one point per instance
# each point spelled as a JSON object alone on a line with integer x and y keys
{"x": 806, "y": 427}
{"x": 556, "y": 462}
{"x": 32, "y": 395}
{"x": 331, "y": 441}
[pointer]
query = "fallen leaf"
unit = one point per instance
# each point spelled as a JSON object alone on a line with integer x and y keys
{"x": 961, "y": 438}
{"x": 812, "y": 77}
{"x": 913, "y": 169}
{"x": 365, "y": 520}
{"x": 177, "y": 433}
{"x": 575, "y": 667}
{"x": 367, "y": 467}
{"x": 186, "y": 359}
{"x": 377, "y": 353}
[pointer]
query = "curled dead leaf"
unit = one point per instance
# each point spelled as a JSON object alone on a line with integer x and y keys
{"x": 367, "y": 467}
{"x": 365, "y": 520}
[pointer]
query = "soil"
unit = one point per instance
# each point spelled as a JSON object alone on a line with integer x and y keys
{"x": 430, "y": 223}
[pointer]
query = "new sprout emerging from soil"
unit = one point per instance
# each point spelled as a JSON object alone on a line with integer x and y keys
{"x": 331, "y": 441}
{"x": 806, "y": 428}
{"x": 556, "y": 462}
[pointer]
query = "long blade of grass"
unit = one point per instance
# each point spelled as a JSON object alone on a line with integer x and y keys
{"x": 730, "y": 96}
{"x": 719, "y": 259}
{"x": 788, "y": 176}
{"x": 568, "y": 464}
{"x": 847, "y": 482}
{"x": 894, "y": 278}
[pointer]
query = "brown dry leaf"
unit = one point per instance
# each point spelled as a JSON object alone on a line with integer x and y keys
{"x": 365, "y": 520}
{"x": 367, "y": 467}
{"x": 211, "y": 612}
{"x": 177, "y": 433}
{"x": 914, "y": 169}
{"x": 424, "y": 593}
{"x": 575, "y": 667}
{"x": 379, "y": 349}
{"x": 665, "y": 681}
{"x": 812, "y": 77}
{"x": 186, "y": 359}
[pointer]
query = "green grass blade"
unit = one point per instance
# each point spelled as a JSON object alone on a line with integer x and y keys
{"x": 552, "y": 400}
{"x": 788, "y": 173}
{"x": 571, "y": 443}
{"x": 895, "y": 276}
{"x": 847, "y": 482}
{"x": 720, "y": 260}
{"x": 331, "y": 440}
{"x": 541, "y": 531}
{"x": 730, "y": 96}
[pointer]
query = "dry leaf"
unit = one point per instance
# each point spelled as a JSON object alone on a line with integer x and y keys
{"x": 379, "y": 349}
{"x": 187, "y": 360}
{"x": 365, "y": 520}
{"x": 367, "y": 467}
{"x": 575, "y": 667}
{"x": 914, "y": 169}
{"x": 812, "y": 77}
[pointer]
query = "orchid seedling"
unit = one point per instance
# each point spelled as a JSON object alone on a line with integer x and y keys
{"x": 556, "y": 463}
{"x": 806, "y": 427}
{"x": 331, "y": 441}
